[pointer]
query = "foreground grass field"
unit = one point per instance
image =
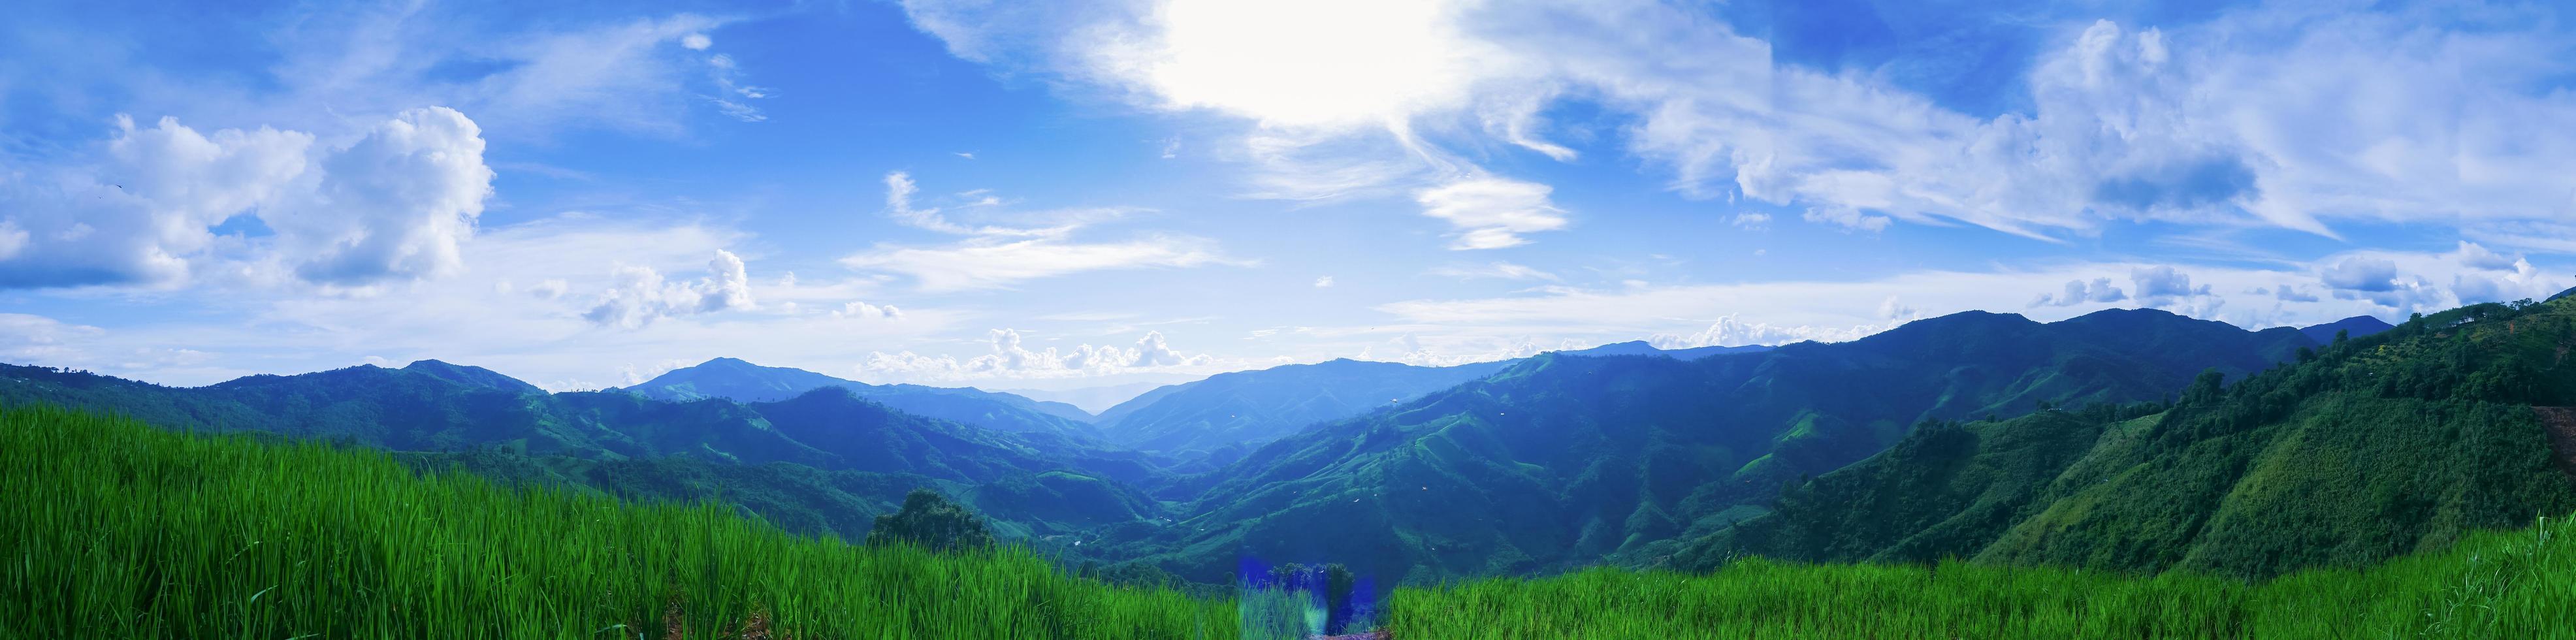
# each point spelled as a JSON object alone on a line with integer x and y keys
{"x": 117, "y": 530}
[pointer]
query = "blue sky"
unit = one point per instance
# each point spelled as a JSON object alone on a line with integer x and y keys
{"x": 1037, "y": 195}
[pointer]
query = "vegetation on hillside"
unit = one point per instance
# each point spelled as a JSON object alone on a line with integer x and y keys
{"x": 2492, "y": 585}
{"x": 1559, "y": 462}
{"x": 122, "y": 530}
{"x": 2367, "y": 449}
{"x": 119, "y": 530}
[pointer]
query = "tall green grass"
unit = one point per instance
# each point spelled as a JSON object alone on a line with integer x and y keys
{"x": 113, "y": 529}
{"x": 2519, "y": 584}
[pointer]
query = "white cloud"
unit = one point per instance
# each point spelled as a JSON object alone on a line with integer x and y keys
{"x": 731, "y": 91}
{"x": 899, "y": 192}
{"x": 1750, "y": 220}
{"x": 1327, "y": 63}
{"x": 2361, "y": 273}
{"x": 640, "y": 296}
{"x": 2078, "y": 292}
{"x": 1000, "y": 256}
{"x": 2162, "y": 285}
{"x": 1816, "y": 308}
{"x": 2247, "y": 119}
{"x": 1323, "y": 282}
{"x": 1846, "y": 217}
{"x": 394, "y": 205}
{"x": 863, "y": 311}
{"x": 34, "y": 339}
{"x": 696, "y": 42}
{"x": 2478, "y": 257}
{"x": 987, "y": 264}
{"x": 1497, "y": 269}
{"x": 1008, "y": 357}
{"x": 1731, "y": 331}
{"x": 1491, "y": 213}
{"x": 12, "y": 239}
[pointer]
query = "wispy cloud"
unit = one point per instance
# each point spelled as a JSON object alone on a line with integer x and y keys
{"x": 999, "y": 256}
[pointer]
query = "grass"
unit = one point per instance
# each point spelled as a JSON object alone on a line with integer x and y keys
{"x": 117, "y": 530}
{"x": 2519, "y": 584}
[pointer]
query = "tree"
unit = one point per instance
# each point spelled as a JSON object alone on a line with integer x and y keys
{"x": 932, "y": 522}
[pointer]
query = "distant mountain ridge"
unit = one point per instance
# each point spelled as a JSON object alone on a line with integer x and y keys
{"x": 1643, "y": 348}
{"x": 802, "y": 457}
{"x": 1228, "y": 412}
{"x": 2355, "y": 327}
{"x": 741, "y": 381}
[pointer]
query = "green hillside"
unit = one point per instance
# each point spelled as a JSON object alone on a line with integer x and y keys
{"x": 126, "y": 531}
{"x": 2402, "y": 442}
{"x": 819, "y": 463}
{"x": 1559, "y": 461}
{"x": 119, "y": 530}
{"x": 2492, "y": 585}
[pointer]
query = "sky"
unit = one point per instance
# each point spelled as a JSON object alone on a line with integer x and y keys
{"x": 1042, "y": 195}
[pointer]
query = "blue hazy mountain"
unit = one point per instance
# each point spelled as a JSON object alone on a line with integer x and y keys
{"x": 1642, "y": 348}
{"x": 740, "y": 381}
{"x": 2353, "y": 327}
{"x": 1231, "y": 411}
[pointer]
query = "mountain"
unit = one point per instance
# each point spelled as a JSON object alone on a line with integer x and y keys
{"x": 1229, "y": 412}
{"x": 2353, "y": 327}
{"x": 807, "y": 461}
{"x": 1561, "y": 461}
{"x": 1641, "y": 348}
{"x": 2399, "y": 442}
{"x": 740, "y": 381}
{"x": 1090, "y": 399}
{"x": 471, "y": 376}
{"x": 421, "y": 408}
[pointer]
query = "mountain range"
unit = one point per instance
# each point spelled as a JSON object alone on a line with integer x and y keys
{"x": 2366, "y": 449}
{"x": 1559, "y": 461}
{"x": 1622, "y": 453}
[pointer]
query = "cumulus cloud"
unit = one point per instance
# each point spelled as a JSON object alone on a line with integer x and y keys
{"x": 1734, "y": 331}
{"x": 2474, "y": 256}
{"x": 394, "y": 205}
{"x": 639, "y": 295}
{"x": 1751, "y": 221}
{"x": 1008, "y": 356}
{"x": 2359, "y": 273}
{"x": 863, "y": 311}
{"x": 2161, "y": 285}
{"x": 1491, "y": 213}
{"x": 2078, "y": 292}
